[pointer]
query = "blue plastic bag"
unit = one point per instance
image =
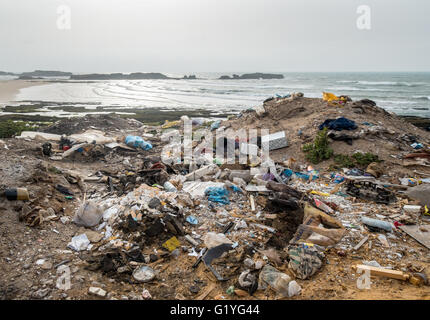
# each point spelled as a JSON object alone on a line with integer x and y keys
{"x": 218, "y": 195}
{"x": 192, "y": 220}
{"x": 137, "y": 142}
{"x": 215, "y": 125}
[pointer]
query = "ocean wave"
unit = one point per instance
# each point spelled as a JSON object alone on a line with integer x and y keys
{"x": 347, "y": 81}
{"x": 421, "y": 97}
{"x": 391, "y": 83}
{"x": 355, "y": 89}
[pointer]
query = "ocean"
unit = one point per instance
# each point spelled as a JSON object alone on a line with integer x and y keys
{"x": 401, "y": 93}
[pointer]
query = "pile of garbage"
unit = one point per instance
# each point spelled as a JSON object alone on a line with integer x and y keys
{"x": 263, "y": 225}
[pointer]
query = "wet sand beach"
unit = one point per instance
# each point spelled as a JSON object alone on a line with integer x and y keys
{"x": 10, "y": 88}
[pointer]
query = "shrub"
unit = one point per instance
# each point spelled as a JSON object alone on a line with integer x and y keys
{"x": 319, "y": 150}
{"x": 364, "y": 159}
{"x": 344, "y": 161}
{"x": 358, "y": 159}
{"x": 10, "y": 128}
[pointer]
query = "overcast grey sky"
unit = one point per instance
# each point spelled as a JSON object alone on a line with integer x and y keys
{"x": 215, "y": 35}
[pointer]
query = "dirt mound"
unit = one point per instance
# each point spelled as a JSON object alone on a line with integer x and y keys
{"x": 103, "y": 122}
{"x": 379, "y": 132}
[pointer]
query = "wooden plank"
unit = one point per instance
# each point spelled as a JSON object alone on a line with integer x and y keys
{"x": 206, "y": 292}
{"x": 374, "y": 271}
{"x": 360, "y": 244}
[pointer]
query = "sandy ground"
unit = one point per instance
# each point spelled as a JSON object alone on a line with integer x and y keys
{"x": 10, "y": 88}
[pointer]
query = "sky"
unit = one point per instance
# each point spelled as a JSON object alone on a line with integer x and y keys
{"x": 187, "y": 36}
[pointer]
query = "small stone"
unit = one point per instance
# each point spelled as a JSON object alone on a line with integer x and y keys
{"x": 97, "y": 292}
{"x": 144, "y": 274}
{"x": 93, "y": 236}
{"x": 259, "y": 264}
{"x": 123, "y": 269}
{"x": 146, "y": 295}
{"x": 249, "y": 263}
{"x": 154, "y": 203}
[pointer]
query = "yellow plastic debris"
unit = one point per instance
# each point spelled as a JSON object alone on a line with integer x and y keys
{"x": 327, "y": 96}
{"x": 333, "y": 100}
{"x": 171, "y": 244}
{"x": 170, "y": 124}
{"x": 323, "y": 194}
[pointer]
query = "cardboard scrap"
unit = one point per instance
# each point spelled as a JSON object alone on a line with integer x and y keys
{"x": 419, "y": 233}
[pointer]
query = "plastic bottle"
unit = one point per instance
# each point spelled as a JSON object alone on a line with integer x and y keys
{"x": 377, "y": 223}
{"x": 169, "y": 187}
{"x": 277, "y": 280}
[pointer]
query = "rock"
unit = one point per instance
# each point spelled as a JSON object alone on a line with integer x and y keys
{"x": 154, "y": 203}
{"x": 146, "y": 295}
{"x": 144, "y": 274}
{"x": 46, "y": 265}
{"x": 259, "y": 264}
{"x": 249, "y": 263}
{"x": 123, "y": 269}
{"x": 97, "y": 292}
{"x": 294, "y": 289}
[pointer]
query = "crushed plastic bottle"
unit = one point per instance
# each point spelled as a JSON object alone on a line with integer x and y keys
{"x": 169, "y": 187}
{"x": 377, "y": 223}
{"x": 277, "y": 280}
